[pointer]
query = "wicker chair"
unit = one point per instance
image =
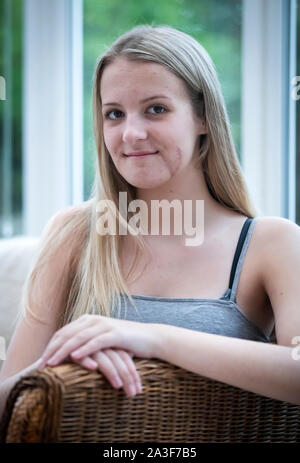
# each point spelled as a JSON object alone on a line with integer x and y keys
{"x": 69, "y": 403}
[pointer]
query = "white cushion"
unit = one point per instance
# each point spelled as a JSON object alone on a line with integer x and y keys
{"x": 16, "y": 255}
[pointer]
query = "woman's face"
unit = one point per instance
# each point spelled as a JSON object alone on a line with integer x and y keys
{"x": 146, "y": 108}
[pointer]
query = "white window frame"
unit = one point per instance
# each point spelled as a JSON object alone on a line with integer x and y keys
{"x": 52, "y": 116}
{"x": 268, "y": 111}
{"x": 53, "y": 107}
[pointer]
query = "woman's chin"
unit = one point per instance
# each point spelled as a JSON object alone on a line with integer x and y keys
{"x": 146, "y": 184}
{"x": 143, "y": 179}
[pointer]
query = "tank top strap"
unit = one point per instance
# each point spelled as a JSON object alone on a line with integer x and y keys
{"x": 239, "y": 256}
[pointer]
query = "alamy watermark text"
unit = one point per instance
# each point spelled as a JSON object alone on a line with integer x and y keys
{"x": 184, "y": 216}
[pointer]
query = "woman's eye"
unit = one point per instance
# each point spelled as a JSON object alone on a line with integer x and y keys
{"x": 107, "y": 115}
{"x": 110, "y": 112}
{"x": 158, "y": 106}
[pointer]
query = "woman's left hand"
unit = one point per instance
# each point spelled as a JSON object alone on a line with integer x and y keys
{"x": 91, "y": 333}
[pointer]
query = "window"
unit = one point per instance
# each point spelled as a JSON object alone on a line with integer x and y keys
{"x": 11, "y": 182}
{"x": 40, "y": 63}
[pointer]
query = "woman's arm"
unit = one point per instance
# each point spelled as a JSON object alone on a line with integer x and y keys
{"x": 47, "y": 297}
{"x": 7, "y": 385}
{"x": 265, "y": 369}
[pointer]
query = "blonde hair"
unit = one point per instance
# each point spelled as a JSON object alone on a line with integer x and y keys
{"x": 97, "y": 281}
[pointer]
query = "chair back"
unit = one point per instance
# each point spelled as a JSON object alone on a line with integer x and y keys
{"x": 69, "y": 403}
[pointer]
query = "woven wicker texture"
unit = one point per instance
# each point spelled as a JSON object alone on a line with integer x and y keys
{"x": 69, "y": 403}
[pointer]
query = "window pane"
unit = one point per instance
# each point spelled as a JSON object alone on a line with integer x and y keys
{"x": 215, "y": 24}
{"x": 11, "y": 117}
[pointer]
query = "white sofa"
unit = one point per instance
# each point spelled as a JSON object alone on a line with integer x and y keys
{"x": 16, "y": 255}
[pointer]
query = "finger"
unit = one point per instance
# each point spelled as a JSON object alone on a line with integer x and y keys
{"x": 99, "y": 343}
{"x": 60, "y": 337}
{"x": 127, "y": 359}
{"x": 108, "y": 368}
{"x": 126, "y": 370}
{"x": 78, "y": 340}
{"x": 87, "y": 362}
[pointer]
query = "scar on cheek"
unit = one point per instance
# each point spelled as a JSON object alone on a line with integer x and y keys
{"x": 176, "y": 164}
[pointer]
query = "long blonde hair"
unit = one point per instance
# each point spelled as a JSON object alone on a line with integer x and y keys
{"x": 97, "y": 281}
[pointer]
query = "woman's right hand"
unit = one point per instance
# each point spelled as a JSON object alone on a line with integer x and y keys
{"x": 116, "y": 365}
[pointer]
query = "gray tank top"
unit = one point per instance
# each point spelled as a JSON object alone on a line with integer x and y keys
{"x": 217, "y": 316}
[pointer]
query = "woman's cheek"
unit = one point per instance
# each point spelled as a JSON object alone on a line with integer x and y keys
{"x": 175, "y": 161}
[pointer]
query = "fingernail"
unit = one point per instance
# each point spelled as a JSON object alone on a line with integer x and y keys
{"x": 92, "y": 363}
{"x": 51, "y": 361}
{"x": 132, "y": 390}
{"x": 118, "y": 382}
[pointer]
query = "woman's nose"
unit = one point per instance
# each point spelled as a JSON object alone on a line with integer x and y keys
{"x": 134, "y": 129}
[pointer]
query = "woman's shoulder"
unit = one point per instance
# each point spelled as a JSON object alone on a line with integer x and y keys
{"x": 70, "y": 217}
{"x": 268, "y": 226}
{"x": 71, "y": 211}
{"x": 272, "y": 229}
{"x": 67, "y": 230}
{"x": 272, "y": 236}
{"x": 278, "y": 258}
{"x": 277, "y": 244}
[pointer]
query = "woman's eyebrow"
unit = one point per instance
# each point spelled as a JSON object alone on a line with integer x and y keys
{"x": 142, "y": 101}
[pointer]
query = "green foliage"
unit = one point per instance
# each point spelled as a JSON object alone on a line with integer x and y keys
{"x": 11, "y": 13}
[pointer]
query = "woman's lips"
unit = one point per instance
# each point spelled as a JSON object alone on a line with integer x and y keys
{"x": 140, "y": 155}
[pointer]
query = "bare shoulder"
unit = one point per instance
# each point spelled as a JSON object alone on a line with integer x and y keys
{"x": 71, "y": 221}
{"x": 70, "y": 212}
{"x": 275, "y": 223}
{"x": 278, "y": 253}
{"x": 67, "y": 231}
{"x": 272, "y": 230}
{"x": 277, "y": 240}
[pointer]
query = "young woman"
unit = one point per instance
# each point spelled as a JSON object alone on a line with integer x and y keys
{"x": 98, "y": 299}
